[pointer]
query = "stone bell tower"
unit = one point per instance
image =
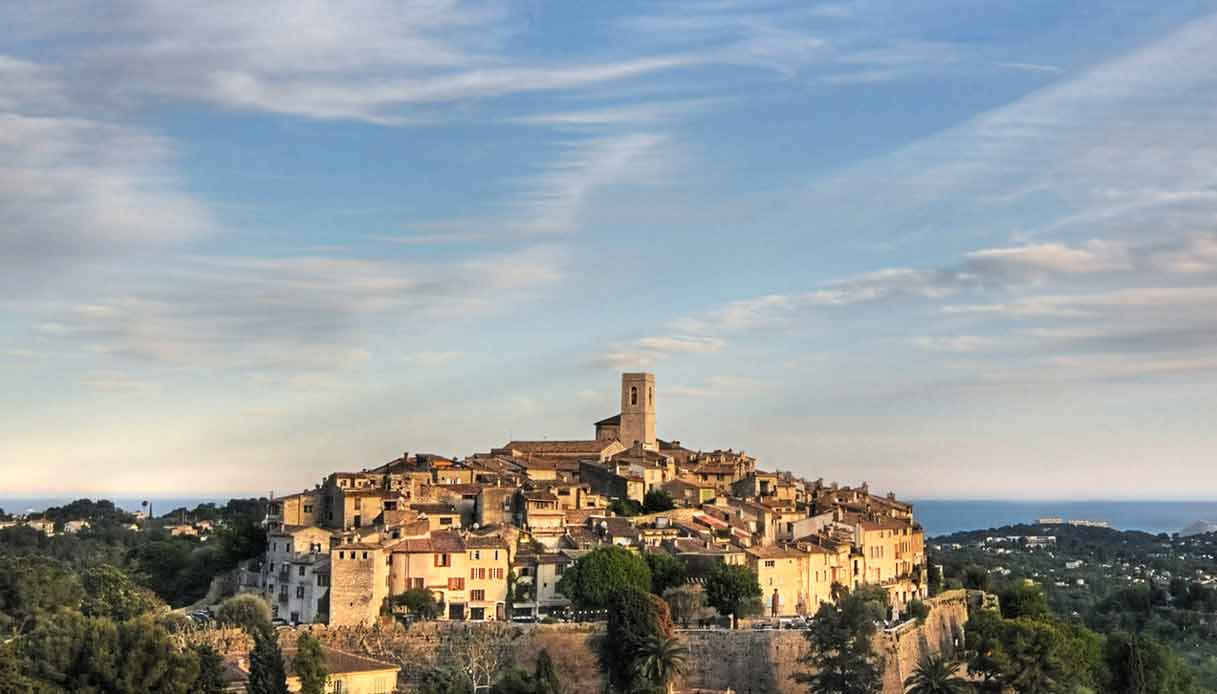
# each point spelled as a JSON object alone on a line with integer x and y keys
{"x": 638, "y": 410}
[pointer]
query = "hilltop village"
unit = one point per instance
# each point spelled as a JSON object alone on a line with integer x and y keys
{"x": 491, "y": 534}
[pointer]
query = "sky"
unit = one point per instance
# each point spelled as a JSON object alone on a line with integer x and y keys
{"x": 955, "y": 249}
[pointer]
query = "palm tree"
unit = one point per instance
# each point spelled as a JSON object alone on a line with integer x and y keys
{"x": 661, "y": 659}
{"x": 936, "y": 675}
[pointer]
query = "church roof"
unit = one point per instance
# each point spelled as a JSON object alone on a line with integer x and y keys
{"x": 593, "y": 446}
{"x": 607, "y": 421}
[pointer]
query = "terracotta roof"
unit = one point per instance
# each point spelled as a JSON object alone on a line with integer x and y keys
{"x": 485, "y": 542}
{"x": 772, "y": 552}
{"x": 543, "y": 447}
{"x": 460, "y": 488}
{"x": 340, "y": 662}
{"x": 435, "y": 509}
{"x": 439, "y": 541}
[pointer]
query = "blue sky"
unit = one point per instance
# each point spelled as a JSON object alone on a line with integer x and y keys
{"x": 955, "y": 249}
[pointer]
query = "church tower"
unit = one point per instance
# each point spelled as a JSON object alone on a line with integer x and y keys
{"x": 638, "y": 410}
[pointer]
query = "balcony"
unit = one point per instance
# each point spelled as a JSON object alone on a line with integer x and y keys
{"x": 283, "y": 598}
{"x": 284, "y": 576}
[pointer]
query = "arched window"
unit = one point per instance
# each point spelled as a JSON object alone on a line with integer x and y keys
{"x": 651, "y": 396}
{"x": 633, "y": 395}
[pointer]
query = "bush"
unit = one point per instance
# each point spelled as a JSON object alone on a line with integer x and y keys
{"x": 918, "y": 610}
{"x": 591, "y": 582}
{"x": 247, "y": 611}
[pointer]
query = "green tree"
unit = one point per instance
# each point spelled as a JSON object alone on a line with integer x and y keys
{"x": 936, "y": 675}
{"x": 729, "y": 588}
{"x": 841, "y": 639}
{"x": 267, "y": 673}
{"x": 247, "y": 611}
{"x": 625, "y": 507}
{"x": 661, "y": 659}
{"x": 545, "y": 677}
{"x": 592, "y": 580}
{"x": 667, "y": 571}
{"x": 515, "y": 680}
{"x": 657, "y": 500}
{"x": 975, "y": 577}
{"x": 109, "y": 592}
{"x": 445, "y": 680}
{"x": 149, "y": 661}
{"x": 1023, "y": 600}
{"x": 211, "y": 671}
{"x": 310, "y": 666}
{"x": 1137, "y": 664}
{"x": 635, "y": 616}
{"x": 934, "y": 578}
{"x": 1031, "y": 656}
{"x": 32, "y": 588}
{"x": 419, "y": 601}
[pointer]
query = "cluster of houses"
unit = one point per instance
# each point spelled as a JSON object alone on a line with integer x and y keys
{"x": 462, "y": 528}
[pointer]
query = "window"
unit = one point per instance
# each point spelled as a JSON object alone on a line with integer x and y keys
{"x": 301, "y": 571}
{"x": 496, "y": 555}
{"x": 769, "y": 563}
{"x": 456, "y": 583}
{"x": 416, "y": 583}
{"x": 323, "y": 579}
{"x": 308, "y": 508}
{"x": 365, "y": 555}
{"x": 300, "y": 591}
{"x": 270, "y": 568}
{"x": 559, "y": 569}
{"x": 477, "y": 595}
{"x": 477, "y": 554}
{"x": 633, "y": 395}
{"x": 650, "y": 396}
{"x": 443, "y": 560}
{"x": 445, "y": 520}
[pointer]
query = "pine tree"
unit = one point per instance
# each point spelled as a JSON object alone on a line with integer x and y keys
{"x": 545, "y": 679}
{"x": 310, "y": 665}
{"x": 267, "y": 674}
{"x": 211, "y": 671}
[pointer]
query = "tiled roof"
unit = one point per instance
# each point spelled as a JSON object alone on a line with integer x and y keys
{"x": 608, "y": 421}
{"x": 435, "y": 509}
{"x": 543, "y": 447}
{"x": 340, "y": 662}
{"x": 439, "y": 541}
{"x": 485, "y": 542}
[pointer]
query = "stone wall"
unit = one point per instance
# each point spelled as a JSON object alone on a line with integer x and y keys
{"x": 748, "y": 661}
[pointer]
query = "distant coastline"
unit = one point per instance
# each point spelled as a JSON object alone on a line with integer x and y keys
{"x": 937, "y": 516}
{"x": 946, "y": 516}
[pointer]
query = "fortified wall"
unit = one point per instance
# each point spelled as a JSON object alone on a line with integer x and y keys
{"x": 748, "y": 661}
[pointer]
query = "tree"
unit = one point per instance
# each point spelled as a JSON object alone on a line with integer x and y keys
{"x": 625, "y": 507}
{"x": 32, "y": 588}
{"x": 211, "y": 671}
{"x": 976, "y": 577}
{"x": 686, "y": 602}
{"x": 109, "y": 592}
{"x": 841, "y": 639}
{"x": 729, "y": 588}
{"x": 1023, "y": 600}
{"x": 247, "y": 611}
{"x": 657, "y": 500}
{"x": 667, "y": 571}
{"x": 592, "y": 580}
{"x": 514, "y": 681}
{"x": 445, "y": 680}
{"x": 635, "y": 617}
{"x": 934, "y": 578}
{"x": 936, "y": 675}
{"x": 149, "y": 661}
{"x": 419, "y": 601}
{"x": 545, "y": 677}
{"x": 661, "y": 659}
{"x": 267, "y": 673}
{"x": 1031, "y": 656}
{"x": 310, "y": 666}
{"x": 1137, "y": 664}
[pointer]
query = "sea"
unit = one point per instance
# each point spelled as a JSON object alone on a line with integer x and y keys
{"x": 937, "y": 516}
